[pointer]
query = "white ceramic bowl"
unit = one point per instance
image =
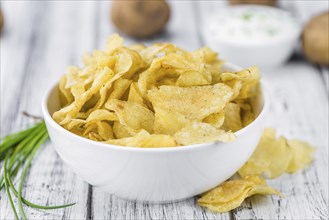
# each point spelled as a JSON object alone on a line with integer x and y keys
{"x": 265, "y": 52}
{"x": 154, "y": 175}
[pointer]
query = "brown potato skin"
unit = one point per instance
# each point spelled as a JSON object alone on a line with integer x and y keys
{"x": 140, "y": 18}
{"x": 1, "y": 20}
{"x": 256, "y": 2}
{"x": 316, "y": 39}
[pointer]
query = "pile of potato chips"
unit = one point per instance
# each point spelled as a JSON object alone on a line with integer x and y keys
{"x": 163, "y": 96}
{"x": 272, "y": 158}
{"x": 156, "y": 96}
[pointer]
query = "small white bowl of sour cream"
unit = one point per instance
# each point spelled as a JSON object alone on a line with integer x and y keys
{"x": 251, "y": 34}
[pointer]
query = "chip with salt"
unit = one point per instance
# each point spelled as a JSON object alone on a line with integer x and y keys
{"x": 195, "y": 103}
{"x": 132, "y": 115}
{"x": 248, "y": 77}
{"x": 197, "y": 133}
{"x": 275, "y": 156}
{"x": 147, "y": 140}
{"x": 232, "y": 121}
{"x": 121, "y": 131}
{"x": 230, "y": 194}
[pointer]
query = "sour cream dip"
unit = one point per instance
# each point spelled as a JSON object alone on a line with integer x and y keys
{"x": 253, "y": 35}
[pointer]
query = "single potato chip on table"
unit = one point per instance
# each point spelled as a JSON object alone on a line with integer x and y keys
{"x": 275, "y": 156}
{"x": 230, "y": 194}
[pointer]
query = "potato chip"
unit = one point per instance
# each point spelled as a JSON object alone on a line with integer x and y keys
{"x": 132, "y": 115}
{"x": 66, "y": 96}
{"x": 64, "y": 115}
{"x": 168, "y": 122}
{"x": 144, "y": 139}
{"x": 215, "y": 119}
{"x": 236, "y": 86}
{"x": 192, "y": 78}
{"x": 128, "y": 62}
{"x": 101, "y": 115}
{"x": 99, "y": 130}
{"x": 135, "y": 95}
{"x": 75, "y": 123}
{"x": 119, "y": 88}
{"x": 246, "y": 111}
{"x": 120, "y": 142}
{"x": 275, "y": 156}
{"x": 105, "y": 130}
{"x": 206, "y": 55}
{"x": 179, "y": 68}
{"x": 99, "y": 59}
{"x": 302, "y": 155}
{"x": 230, "y": 194}
{"x": 232, "y": 121}
{"x": 195, "y": 103}
{"x": 157, "y": 50}
{"x": 120, "y": 131}
{"x": 198, "y": 133}
{"x": 249, "y": 77}
{"x": 113, "y": 43}
{"x": 94, "y": 136}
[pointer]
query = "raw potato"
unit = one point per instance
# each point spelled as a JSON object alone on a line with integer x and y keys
{"x": 1, "y": 20}
{"x": 256, "y": 2}
{"x": 140, "y": 18}
{"x": 316, "y": 39}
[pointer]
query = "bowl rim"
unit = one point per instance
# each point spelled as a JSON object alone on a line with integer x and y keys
{"x": 51, "y": 122}
{"x": 295, "y": 34}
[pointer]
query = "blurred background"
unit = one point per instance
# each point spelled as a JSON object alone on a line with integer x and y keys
{"x": 57, "y": 32}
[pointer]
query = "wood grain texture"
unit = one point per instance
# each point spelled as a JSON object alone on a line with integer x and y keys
{"x": 42, "y": 38}
{"x": 29, "y": 65}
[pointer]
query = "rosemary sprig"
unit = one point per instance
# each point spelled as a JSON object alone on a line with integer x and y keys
{"x": 17, "y": 152}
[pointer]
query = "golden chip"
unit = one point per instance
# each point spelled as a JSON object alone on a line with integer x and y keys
{"x": 249, "y": 77}
{"x": 135, "y": 95}
{"x": 215, "y": 119}
{"x": 101, "y": 115}
{"x": 232, "y": 121}
{"x": 275, "y": 156}
{"x": 230, "y": 194}
{"x": 120, "y": 131}
{"x": 144, "y": 139}
{"x": 198, "y": 133}
{"x": 195, "y": 103}
{"x": 302, "y": 155}
{"x": 132, "y": 115}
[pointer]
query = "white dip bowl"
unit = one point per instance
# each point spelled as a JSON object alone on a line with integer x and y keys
{"x": 251, "y": 34}
{"x": 158, "y": 174}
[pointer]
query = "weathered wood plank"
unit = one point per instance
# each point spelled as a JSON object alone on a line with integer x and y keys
{"x": 55, "y": 42}
{"x": 15, "y": 46}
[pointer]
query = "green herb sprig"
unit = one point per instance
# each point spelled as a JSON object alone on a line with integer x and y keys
{"x": 16, "y": 154}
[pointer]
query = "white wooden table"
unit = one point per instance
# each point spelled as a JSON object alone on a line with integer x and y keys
{"x": 41, "y": 38}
